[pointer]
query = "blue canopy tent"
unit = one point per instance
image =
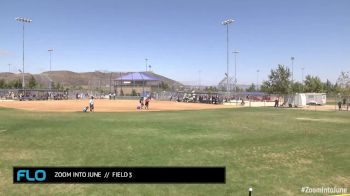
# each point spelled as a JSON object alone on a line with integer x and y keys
{"x": 137, "y": 79}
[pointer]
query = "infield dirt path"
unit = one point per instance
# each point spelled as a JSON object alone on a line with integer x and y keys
{"x": 105, "y": 105}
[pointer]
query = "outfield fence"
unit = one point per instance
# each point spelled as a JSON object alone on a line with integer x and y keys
{"x": 336, "y": 102}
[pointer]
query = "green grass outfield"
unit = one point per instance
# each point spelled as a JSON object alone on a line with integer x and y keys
{"x": 276, "y": 151}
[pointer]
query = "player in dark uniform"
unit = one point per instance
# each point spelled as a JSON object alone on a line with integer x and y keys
{"x": 147, "y": 102}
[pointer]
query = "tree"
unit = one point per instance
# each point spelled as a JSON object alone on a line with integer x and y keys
{"x": 32, "y": 82}
{"x": 344, "y": 82}
{"x": 330, "y": 88}
{"x": 251, "y": 88}
{"x": 164, "y": 86}
{"x": 58, "y": 86}
{"x": 278, "y": 81}
{"x": 298, "y": 87}
{"x": 239, "y": 89}
{"x": 2, "y": 83}
{"x": 133, "y": 92}
{"x": 210, "y": 89}
{"x": 15, "y": 84}
{"x": 313, "y": 84}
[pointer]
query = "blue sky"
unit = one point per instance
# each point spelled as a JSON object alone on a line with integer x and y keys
{"x": 179, "y": 37}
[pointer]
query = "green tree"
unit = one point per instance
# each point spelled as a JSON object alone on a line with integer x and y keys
{"x": 344, "y": 82}
{"x": 57, "y": 86}
{"x": 133, "y": 92}
{"x": 251, "y": 88}
{"x": 278, "y": 81}
{"x": 313, "y": 84}
{"x": 330, "y": 88}
{"x": 15, "y": 84}
{"x": 32, "y": 82}
{"x": 164, "y": 86}
{"x": 239, "y": 89}
{"x": 210, "y": 89}
{"x": 298, "y": 87}
{"x": 2, "y": 83}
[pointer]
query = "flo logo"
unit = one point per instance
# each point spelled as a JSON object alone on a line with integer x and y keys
{"x": 25, "y": 175}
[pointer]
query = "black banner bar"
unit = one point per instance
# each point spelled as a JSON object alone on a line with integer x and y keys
{"x": 119, "y": 175}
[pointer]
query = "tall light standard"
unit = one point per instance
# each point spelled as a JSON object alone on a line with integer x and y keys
{"x": 257, "y": 79}
{"x": 23, "y": 21}
{"x": 50, "y": 51}
{"x": 20, "y": 71}
{"x": 199, "y": 79}
{"x": 9, "y": 67}
{"x": 302, "y": 74}
{"x": 235, "y": 52}
{"x": 227, "y": 22}
{"x": 292, "y": 58}
{"x": 146, "y": 59}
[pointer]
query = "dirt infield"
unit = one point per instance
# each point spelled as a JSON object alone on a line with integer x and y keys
{"x": 104, "y": 105}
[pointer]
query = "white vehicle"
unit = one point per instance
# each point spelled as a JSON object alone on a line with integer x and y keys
{"x": 299, "y": 100}
{"x": 316, "y": 98}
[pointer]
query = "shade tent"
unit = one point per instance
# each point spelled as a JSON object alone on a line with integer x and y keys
{"x": 140, "y": 82}
{"x": 137, "y": 76}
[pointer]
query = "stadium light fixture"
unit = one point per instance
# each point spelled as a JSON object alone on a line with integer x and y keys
{"x": 146, "y": 59}
{"x": 235, "y": 52}
{"x": 199, "y": 79}
{"x": 292, "y": 58}
{"x": 9, "y": 67}
{"x": 257, "y": 79}
{"x": 23, "y": 21}
{"x": 302, "y": 74}
{"x": 227, "y": 22}
{"x": 50, "y": 51}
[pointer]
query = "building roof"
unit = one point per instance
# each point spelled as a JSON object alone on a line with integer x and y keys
{"x": 137, "y": 76}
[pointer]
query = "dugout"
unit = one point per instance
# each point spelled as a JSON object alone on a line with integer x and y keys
{"x": 136, "y": 83}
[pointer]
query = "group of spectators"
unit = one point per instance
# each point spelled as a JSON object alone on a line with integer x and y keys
{"x": 216, "y": 98}
{"x": 193, "y": 98}
{"x": 29, "y": 95}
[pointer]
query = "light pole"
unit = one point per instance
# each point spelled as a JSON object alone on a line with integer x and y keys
{"x": 302, "y": 74}
{"x": 50, "y": 51}
{"x": 146, "y": 59}
{"x": 292, "y": 58}
{"x": 257, "y": 79}
{"x": 199, "y": 79}
{"x": 23, "y": 20}
{"x": 227, "y": 22}
{"x": 20, "y": 71}
{"x": 235, "y": 52}
{"x": 149, "y": 67}
{"x": 9, "y": 67}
